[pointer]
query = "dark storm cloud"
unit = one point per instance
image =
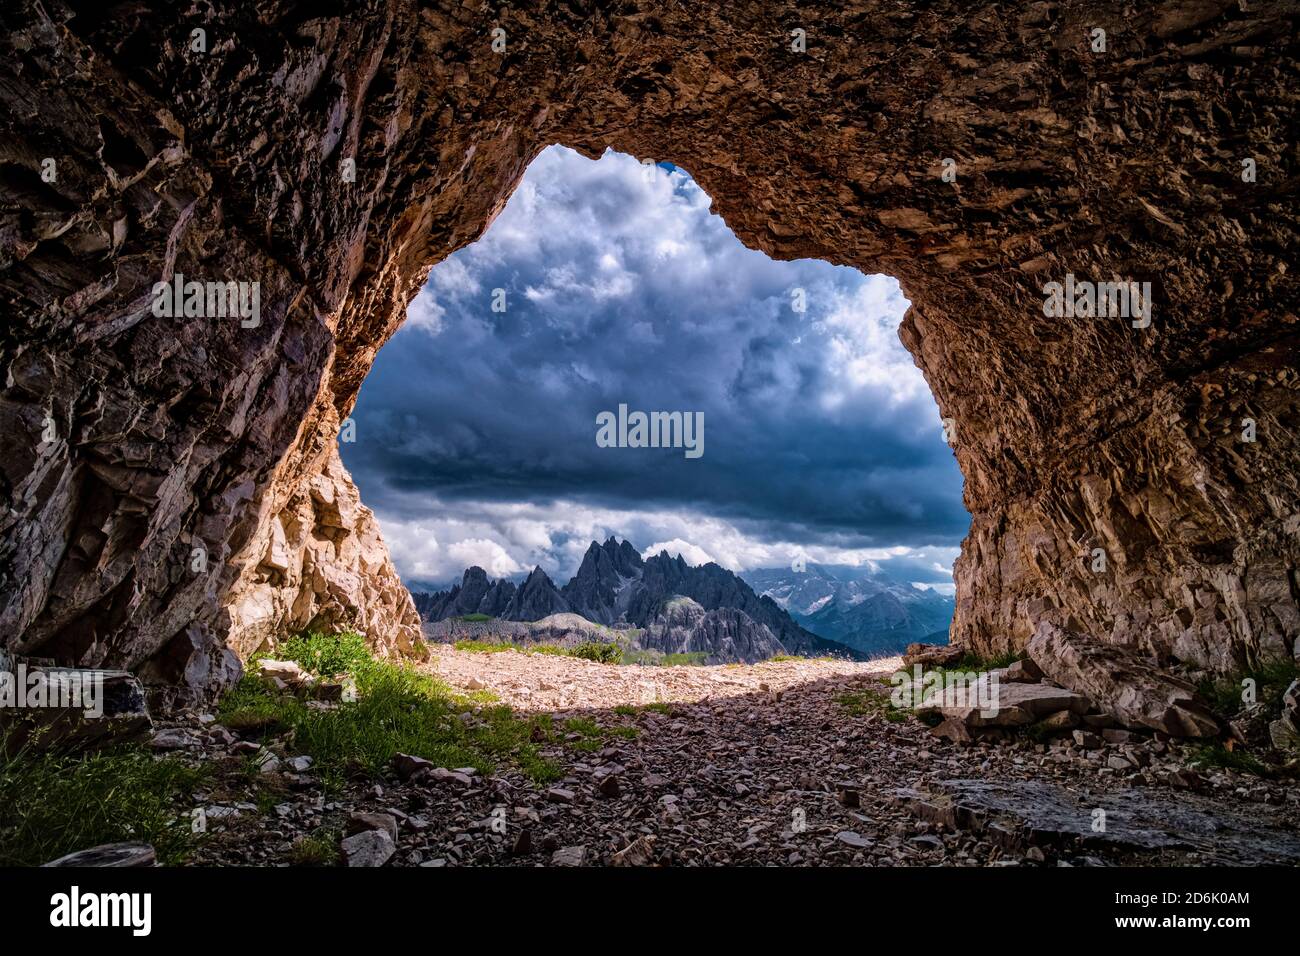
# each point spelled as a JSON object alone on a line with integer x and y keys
{"x": 620, "y": 287}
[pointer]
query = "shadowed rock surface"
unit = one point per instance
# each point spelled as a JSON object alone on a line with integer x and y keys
{"x": 723, "y": 635}
{"x": 1037, "y": 813}
{"x": 133, "y": 443}
{"x": 1131, "y": 690}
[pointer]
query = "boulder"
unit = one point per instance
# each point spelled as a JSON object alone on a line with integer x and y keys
{"x": 366, "y": 822}
{"x": 290, "y": 672}
{"x": 855, "y": 840}
{"x": 71, "y": 708}
{"x": 952, "y": 729}
{"x": 1133, "y": 691}
{"x": 569, "y": 856}
{"x": 408, "y": 766}
{"x": 368, "y": 848}
{"x": 640, "y": 852}
{"x": 933, "y": 655}
{"x": 1087, "y": 740}
{"x": 174, "y": 738}
{"x": 1016, "y": 814}
{"x": 1022, "y": 672}
{"x": 995, "y": 704}
{"x": 1284, "y": 733}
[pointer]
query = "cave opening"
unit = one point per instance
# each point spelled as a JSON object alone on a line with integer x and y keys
{"x": 551, "y": 394}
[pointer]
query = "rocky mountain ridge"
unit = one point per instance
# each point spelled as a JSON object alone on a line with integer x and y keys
{"x": 679, "y": 605}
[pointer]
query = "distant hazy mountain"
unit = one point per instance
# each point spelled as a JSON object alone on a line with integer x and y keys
{"x": 614, "y": 585}
{"x": 864, "y": 609}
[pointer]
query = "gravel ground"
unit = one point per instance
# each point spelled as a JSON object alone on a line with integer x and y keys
{"x": 780, "y": 763}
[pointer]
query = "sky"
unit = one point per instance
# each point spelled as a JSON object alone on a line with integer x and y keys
{"x": 607, "y": 282}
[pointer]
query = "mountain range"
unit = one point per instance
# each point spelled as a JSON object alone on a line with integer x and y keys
{"x": 683, "y": 608}
{"x": 861, "y": 607}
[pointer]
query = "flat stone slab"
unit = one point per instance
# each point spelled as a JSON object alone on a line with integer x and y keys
{"x": 110, "y": 854}
{"x": 1017, "y": 704}
{"x": 1021, "y": 813}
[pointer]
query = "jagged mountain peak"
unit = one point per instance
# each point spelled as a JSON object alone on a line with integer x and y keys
{"x": 615, "y": 585}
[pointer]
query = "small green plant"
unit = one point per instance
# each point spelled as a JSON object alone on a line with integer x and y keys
{"x": 598, "y": 651}
{"x": 474, "y": 618}
{"x": 1271, "y": 679}
{"x": 582, "y": 725}
{"x": 868, "y": 701}
{"x": 1217, "y": 755}
{"x": 320, "y": 848}
{"x": 538, "y": 768}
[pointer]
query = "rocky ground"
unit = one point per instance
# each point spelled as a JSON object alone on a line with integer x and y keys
{"x": 794, "y": 762}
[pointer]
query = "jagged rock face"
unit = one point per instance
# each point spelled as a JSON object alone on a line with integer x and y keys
{"x": 600, "y": 582}
{"x": 725, "y": 635}
{"x": 533, "y": 600}
{"x": 132, "y": 441}
{"x": 536, "y": 598}
{"x": 320, "y": 562}
{"x": 474, "y": 595}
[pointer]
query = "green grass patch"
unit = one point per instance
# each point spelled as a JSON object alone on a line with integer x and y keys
{"x": 592, "y": 736}
{"x": 860, "y": 703}
{"x": 474, "y": 618}
{"x": 485, "y": 647}
{"x": 54, "y": 804}
{"x": 582, "y": 725}
{"x": 319, "y": 848}
{"x": 328, "y": 655}
{"x": 1272, "y": 678}
{"x": 591, "y": 650}
{"x": 598, "y": 651}
{"x": 1217, "y": 755}
{"x": 397, "y": 710}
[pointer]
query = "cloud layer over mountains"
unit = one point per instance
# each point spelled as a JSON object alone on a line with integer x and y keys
{"x": 475, "y": 439}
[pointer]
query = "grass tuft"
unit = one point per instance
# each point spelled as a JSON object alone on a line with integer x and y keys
{"x": 863, "y": 702}
{"x": 397, "y": 710}
{"x": 1272, "y": 678}
{"x": 54, "y": 804}
{"x": 319, "y": 848}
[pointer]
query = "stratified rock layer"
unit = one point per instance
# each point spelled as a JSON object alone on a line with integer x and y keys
{"x": 1125, "y": 687}
{"x": 148, "y": 459}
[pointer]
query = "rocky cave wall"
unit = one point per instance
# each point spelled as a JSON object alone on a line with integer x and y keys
{"x": 172, "y": 490}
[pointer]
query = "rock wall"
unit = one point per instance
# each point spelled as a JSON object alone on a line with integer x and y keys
{"x": 333, "y": 154}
